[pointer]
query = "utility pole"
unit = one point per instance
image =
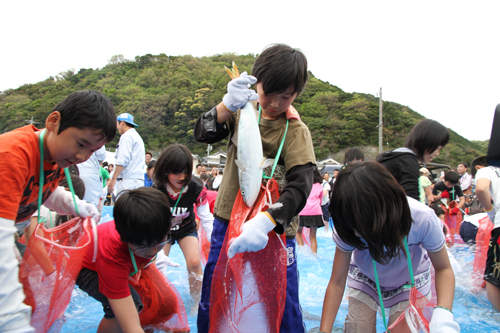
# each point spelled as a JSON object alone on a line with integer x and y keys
{"x": 380, "y": 123}
{"x": 209, "y": 149}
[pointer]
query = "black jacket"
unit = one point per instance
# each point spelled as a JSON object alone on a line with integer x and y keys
{"x": 403, "y": 164}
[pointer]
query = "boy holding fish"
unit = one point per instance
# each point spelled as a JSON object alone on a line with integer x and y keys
{"x": 279, "y": 75}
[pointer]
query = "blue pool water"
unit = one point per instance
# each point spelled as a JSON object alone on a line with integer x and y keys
{"x": 471, "y": 307}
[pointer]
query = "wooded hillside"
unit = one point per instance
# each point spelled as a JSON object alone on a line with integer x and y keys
{"x": 166, "y": 94}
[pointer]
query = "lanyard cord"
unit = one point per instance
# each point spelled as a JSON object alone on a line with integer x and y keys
{"x": 279, "y": 149}
{"x": 41, "y": 181}
{"x": 410, "y": 269}
{"x": 179, "y": 198}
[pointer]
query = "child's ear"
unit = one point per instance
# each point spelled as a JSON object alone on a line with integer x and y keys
{"x": 53, "y": 121}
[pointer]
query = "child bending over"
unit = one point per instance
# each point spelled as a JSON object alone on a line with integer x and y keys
{"x": 126, "y": 245}
{"x": 373, "y": 218}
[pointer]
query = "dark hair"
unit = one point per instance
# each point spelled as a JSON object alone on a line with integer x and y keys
{"x": 88, "y": 109}
{"x": 464, "y": 164}
{"x": 280, "y": 67}
{"x": 175, "y": 158}
{"x": 352, "y": 154}
{"x": 151, "y": 164}
{"x": 452, "y": 177}
{"x": 437, "y": 209}
{"x": 78, "y": 187}
{"x": 367, "y": 199}
{"x": 149, "y": 153}
{"x": 142, "y": 216}
{"x": 198, "y": 165}
{"x": 317, "y": 178}
{"x": 104, "y": 164}
{"x": 426, "y": 137}
{"x": 482, "y": 161}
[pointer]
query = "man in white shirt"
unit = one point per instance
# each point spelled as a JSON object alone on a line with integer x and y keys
{"x": 90, "y": 173}
{"x": 465, "y": 180}
{"x": 130, "y": 157}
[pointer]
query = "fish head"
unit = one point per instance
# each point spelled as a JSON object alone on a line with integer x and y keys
{"x": 249, "y": 187}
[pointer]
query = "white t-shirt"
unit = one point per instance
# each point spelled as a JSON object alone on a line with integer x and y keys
{"x": 327, "y": 187}
{"x": 493, "y": 175}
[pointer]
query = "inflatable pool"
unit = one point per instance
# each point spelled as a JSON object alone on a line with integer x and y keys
{"x": 471, "y": 307}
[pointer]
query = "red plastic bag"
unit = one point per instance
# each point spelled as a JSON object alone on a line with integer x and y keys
{"x": 163, "y": 306}
{"x": 65, "y": 246}
{"x": 417, "y": 315}
{"x": 249, "y": 291}
{"x": 483, "y": 237}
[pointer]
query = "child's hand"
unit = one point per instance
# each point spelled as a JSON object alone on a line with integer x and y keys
{"x": 238, "y": 92}
{"x": 254, "y": 236}
{"x": 442, "y": 321}
{"x": 445, "y": 194}
{"x": 86, "y": 209}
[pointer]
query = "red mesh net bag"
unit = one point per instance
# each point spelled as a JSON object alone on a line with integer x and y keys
{"x": 482, "y": 243}
{"x": 249, "y": 291}
{"x": 163, "y": 306}
{"x": 204, "y": 245}
{"x": 416, "y": 316}
{"x": 62, "y": 248}
{"x": 305, "y": 236}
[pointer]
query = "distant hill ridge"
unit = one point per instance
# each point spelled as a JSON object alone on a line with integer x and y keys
{"x": 166, "y": 94}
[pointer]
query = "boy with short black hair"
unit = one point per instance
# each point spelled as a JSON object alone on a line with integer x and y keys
{"x": 280, "y": 74}
{"x": 449, "y": 188}
{"x": 79, "y": 125}
{"x": 126, "y": 245}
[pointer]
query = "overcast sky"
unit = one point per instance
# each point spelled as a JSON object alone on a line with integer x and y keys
{"x": 440, "y": 58}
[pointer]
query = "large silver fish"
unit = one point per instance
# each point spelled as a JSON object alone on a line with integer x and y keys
{"x": 251, "y": 161}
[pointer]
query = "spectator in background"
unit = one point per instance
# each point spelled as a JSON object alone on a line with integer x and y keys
{"x": 104, "y": 175}
{"x": 198, "y": 171}
{"x": 90, "y": 173}
{"x": 148, "y": 157}
{"x": 326, "y": 198}
{"x": 130, "y": 157}
{"x": 352, "y": 155}
{"x": 148, "y": 176}
{"x": 312, "y": 216}
{"x": 422, "y": 144}
{"x": 465, "y": 179}
{"x": 425, "y": 187}
{"x": 332, "y": 181}
{"x": 217, "y": 180}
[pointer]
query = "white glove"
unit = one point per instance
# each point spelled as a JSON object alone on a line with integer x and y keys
{"x": 238, "y": 92}
{"x": 254, "y": 235}
{"x": 442, "y": 322}
{"x": 207, "y": 219}
{"x": 61, "y": 201}
{"x": 491, "y": 214}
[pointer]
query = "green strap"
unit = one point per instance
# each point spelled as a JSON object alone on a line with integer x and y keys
{"x": 179, "y": 198}
{"x": 412, "y": 279}
{"x": 133, "y": 262}
{"x": 278, "y": 154}
{"x": 41, "y": 181}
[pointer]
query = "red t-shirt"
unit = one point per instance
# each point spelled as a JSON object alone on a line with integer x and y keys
{"x": 20, "y": 173}
{"x": 113, "y": 263}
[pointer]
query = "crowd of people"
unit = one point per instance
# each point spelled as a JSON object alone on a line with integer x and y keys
{"x": 387, "y": 216}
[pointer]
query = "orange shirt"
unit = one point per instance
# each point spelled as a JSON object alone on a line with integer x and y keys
{"x": 20, "y": 173}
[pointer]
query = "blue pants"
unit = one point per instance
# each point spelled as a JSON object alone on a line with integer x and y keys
{"x": 292, "y": 317}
